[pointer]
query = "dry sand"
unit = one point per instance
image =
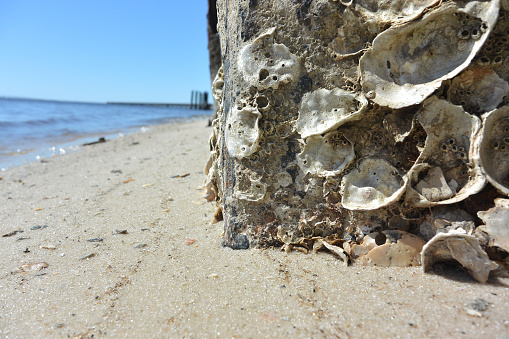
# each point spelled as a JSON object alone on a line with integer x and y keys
{"x": 150, "y": 283}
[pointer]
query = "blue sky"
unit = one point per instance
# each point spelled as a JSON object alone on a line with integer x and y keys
{"x": 104, "y": 50}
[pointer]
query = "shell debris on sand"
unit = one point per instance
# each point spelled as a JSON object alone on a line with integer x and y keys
{"x": 475, "y": 308}
{"x": 462, "y": 248}
{"x": 88, "y": 256}
{"x": 38, "y": 227}
{"x": 189, "y": 241}
{"x": 32, "y": 267}
{"x": 389, "y": 248}
{"x": 10, "y": 234}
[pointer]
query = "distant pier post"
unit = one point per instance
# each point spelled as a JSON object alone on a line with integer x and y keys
{"x": 199, "y": 100}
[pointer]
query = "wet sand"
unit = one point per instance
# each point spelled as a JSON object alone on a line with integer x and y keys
{"x": 130, "y": 252}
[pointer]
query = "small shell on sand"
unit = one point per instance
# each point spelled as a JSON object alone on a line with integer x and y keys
{"x": 32, "y": 266}
{"x": 88, "y": 256}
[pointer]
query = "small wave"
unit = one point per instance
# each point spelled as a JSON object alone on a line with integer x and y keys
{"x": 38, "y": 122}
{"x": 35, "y": 122}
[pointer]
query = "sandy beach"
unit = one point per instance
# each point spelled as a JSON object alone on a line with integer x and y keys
{"x": 115, "y": 240}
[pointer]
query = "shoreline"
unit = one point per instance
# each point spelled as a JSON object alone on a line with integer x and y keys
{"x": 115, "y": 240}
{"x": 71, "y": 143}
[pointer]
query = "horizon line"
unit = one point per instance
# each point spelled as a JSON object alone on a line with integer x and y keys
{"x": 85, "y": 102}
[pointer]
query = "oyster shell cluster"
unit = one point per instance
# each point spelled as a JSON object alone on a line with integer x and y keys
{"x": 387, "y": 160}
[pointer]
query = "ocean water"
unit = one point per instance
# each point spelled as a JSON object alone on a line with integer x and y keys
{"x": 31, "y": 130}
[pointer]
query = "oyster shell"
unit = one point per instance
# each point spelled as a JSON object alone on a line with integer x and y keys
{"x": 324, "y": 110}
{"x": 407, "y": 63}
{"x": 494, "y": 148}
{"x": 326, "y": 155}
{"x": 265, "y": 64}
{"x": 447, "y": 171}
{"x": 242, "y": 132}
{"x": 375, "y": 184}
{"x": 461, "y": 247}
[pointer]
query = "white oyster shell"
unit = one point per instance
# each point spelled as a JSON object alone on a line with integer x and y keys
{"x": 494, "y": 148}
{"x": 324, "y": 110}
{"x": 447, "y": 171}
{"x": 461, "y": 247}
{"x": 326, "y": 155}
{"x": 407, "y": 63}
{"x": 389, "y": 248}
{"x": 375, "y": 184}
{"x": 242, "y": 132}
{"x": 496, "y": 222}
{"x": 265, "y": 64}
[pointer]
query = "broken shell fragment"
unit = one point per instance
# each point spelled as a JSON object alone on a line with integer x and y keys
{"x": 389, "y": 248}
{"x": 494, "y": 148}
{"x": 242, "y": 132}
{"x": 460, "y": 247}
{"x": 408, "y": 63}
{"x": 448, "y": 170}
{"x": 324, "y": 110}
{"x": 433, "y": 186}
{"x": 496, "y": 224}
{"x": 375, "y": 184}
{"x": 33, "y": 266}
{"x": 338, "y": 251}
{"x": 265, "y": 64}
{"x": 326, "y": 155}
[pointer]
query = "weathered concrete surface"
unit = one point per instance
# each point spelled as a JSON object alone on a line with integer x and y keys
{"x": 338, "y": 119}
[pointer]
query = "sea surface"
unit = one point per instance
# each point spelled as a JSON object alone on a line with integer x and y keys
{"x": 31, "y": 130}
